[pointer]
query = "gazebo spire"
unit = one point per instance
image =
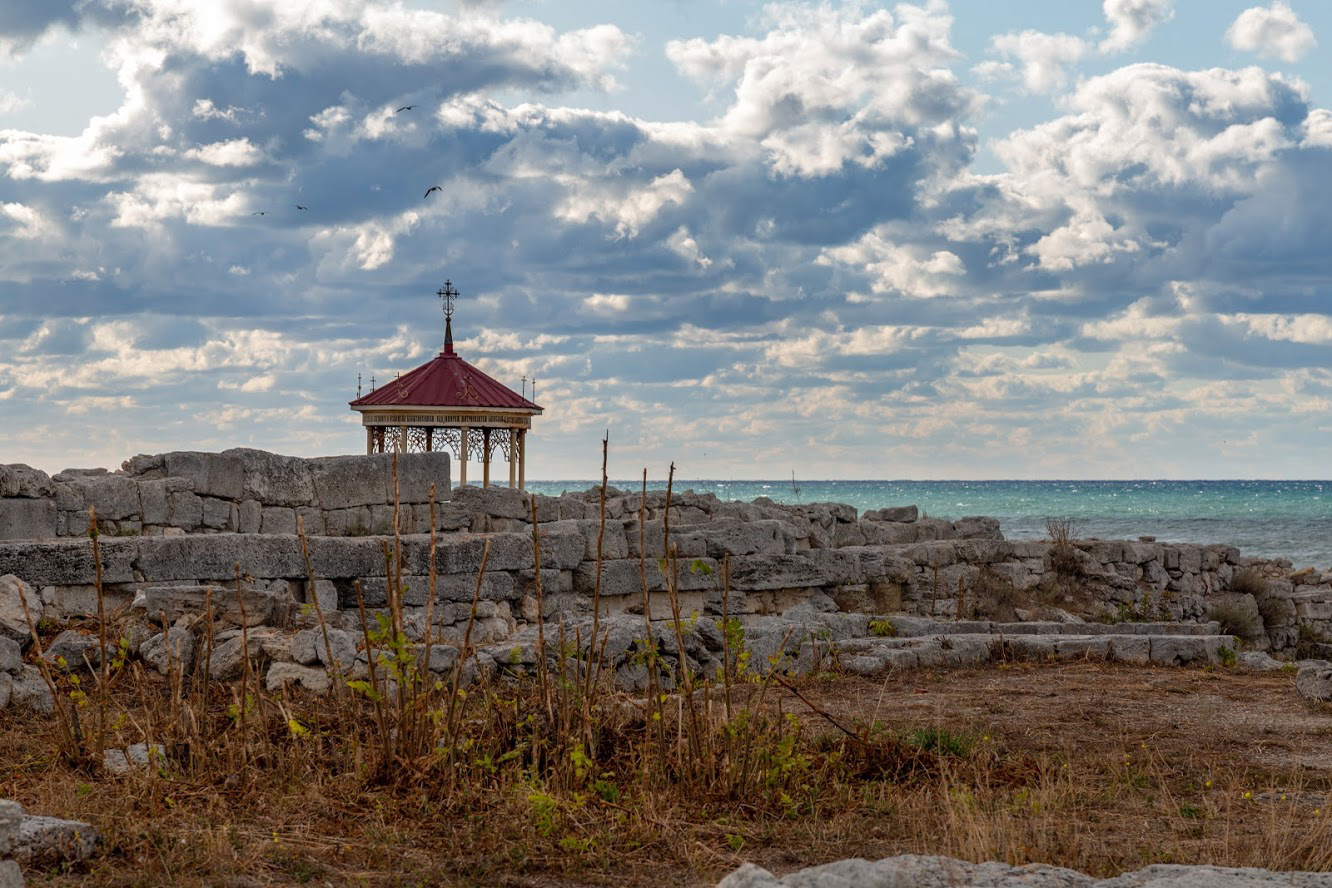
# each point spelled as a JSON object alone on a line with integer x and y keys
{"x": 448, "y": 293}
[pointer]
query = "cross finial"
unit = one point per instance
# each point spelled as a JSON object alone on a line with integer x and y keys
{"x": 448, "y": 293}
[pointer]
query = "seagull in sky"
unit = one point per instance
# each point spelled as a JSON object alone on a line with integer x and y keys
{"x": 299, "y": 207}
{"x": 260, "y": 213}
{"x": 430, "y": 189}
{"x": 404, "y": 108}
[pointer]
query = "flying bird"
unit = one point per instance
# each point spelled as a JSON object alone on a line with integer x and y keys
{"x": 260, "y": 213}
{"x": 299, "y": 207}
{"x": 430, "y": 189}
{"x": 404, "y": 108}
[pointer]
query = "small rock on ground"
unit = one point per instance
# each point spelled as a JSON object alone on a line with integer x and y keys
{"x": 919, "y": 871}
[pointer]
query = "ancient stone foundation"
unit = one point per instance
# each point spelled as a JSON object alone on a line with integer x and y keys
{"x": 188, "y": 533}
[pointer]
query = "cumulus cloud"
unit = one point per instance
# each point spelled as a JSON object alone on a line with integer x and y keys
{"x": 1131, "y": 21}
{"x": 1272, "y": 31}
{"x": 1043, "y": 59}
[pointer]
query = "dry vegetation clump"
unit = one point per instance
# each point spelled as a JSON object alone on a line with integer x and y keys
{"x": 406, "y": 777}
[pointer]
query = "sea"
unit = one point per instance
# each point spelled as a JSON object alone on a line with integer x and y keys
{"x": 1269, "y": 519}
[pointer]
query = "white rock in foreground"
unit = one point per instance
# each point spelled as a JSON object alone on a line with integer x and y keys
{"x": 918, "y": 871}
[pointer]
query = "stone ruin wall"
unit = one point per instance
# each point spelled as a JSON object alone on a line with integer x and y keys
{"x": 236, "y": 491}
{"x": 818, "y": 557}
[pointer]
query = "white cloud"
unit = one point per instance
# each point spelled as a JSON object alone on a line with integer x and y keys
{"x": 1274, "y": 31}
{"x": 1044, "y": 58}
{"x": 1131, "y": 21}
{"x": 10, "y": 101}
{"x": 235, "y": 152}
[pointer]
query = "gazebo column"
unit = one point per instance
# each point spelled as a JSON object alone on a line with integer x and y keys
{"x": 369, "y": 440}
{"x": 462, "y": 458}
{"x": 522, "y": 458}
{"x": 485, "y": 457}
{"x": 430, "y": 439}
{"x": 513, "y": 454}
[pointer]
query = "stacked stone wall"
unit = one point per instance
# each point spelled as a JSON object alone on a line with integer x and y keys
{"x": 236, "y": 491}
{"x": 778, "y": 560}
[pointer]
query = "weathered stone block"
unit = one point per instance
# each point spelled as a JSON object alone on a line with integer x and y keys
{"x": 341, "y": 482}
{"x": 417, "y": 471}
{"x": 215, "y": 556}
{"x": 217, "y": 514}
{"x": 184, "y": 509}
{"x": 175, "y": 648}
{"x": 273, "y": 479}
{"x": 315, "y": 680}
{"x": 277, "y": 520}
{"x": 27, "y": 519}
{"x": 755, "y": 573}
{"x": 11, "y": 656}
{"x": 250, "y": 516}
{"x": 172, "y": 602}
{"x": 61, "y": 562}
{"x": 212, "y": 474}
{"x": 17, "y": 479}
{"x": 501, "y": 502}
{"x": 902, "y": 514}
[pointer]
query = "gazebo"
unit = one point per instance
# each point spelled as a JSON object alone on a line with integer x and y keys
{"x": 447, "y": 404}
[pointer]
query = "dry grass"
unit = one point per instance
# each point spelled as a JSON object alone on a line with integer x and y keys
{"x": 1102, "y": 768}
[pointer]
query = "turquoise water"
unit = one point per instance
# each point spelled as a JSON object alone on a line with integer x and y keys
{"x": 1272, "y": 519}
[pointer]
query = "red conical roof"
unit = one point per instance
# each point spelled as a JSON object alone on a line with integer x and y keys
{"x": 447, "y": 381}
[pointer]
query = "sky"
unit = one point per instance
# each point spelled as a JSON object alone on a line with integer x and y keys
{"x": 968, "y": 239}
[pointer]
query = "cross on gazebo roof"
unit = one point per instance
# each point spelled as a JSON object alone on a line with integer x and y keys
{"x": 447, "y": 294}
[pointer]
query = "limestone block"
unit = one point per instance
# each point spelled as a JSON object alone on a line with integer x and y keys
{"x": 889, "y": 533}
{"x": 314, "y": 680}
{"x": 1182, "y": 650}
{"x": 13, "y": 622}
{"x": 273, "y": 479}
{"x": 249, "y": 516}
{"x": 495, "y": 586}
{"x": 381, "y": 520}
{"x": 928, "y": 529}
{"x": 30, "y": 692}
{"x": 277, "y": 519}
{"x": 417, "y": 471}
{"x": 11, "y": 655}
{"x": 134, "y": 757}
{"x": 18, "y": 479}
{"x": 215, "y": 556}
{"x": 343, "y": 557}
{"x": 756, "y": 573}
{"x": 43, "y": 841}
{"x": 502, "y": 502}
{"x": 227, "y": 662}
{"x": 75, "y": 650}
{"x": 1314, "y": 682}
{"x": 835, "y": 566}
{"x": 1135, "y": 649}
{"x": 10, "y": 874}
{"x": 176, "y": 647}
{"x": 847, "y": 534}
{"x": 355, "y": 521}
{"x": 341, "y": 482}
{"x": 27, "y": 519}
{"x": 312, "y": 519}
{"x": 11, "y": 818}
{"x": 154, "y": 499}
{"x": 976, "y": 527}
{"x": 217, "y": 514}
{"x": 213, "y": 474}
{"x": 1076, "y": 647}
{"x": 184, "y": 509}
{"x": 894, "y": 514}
{"x": 173, "y": 602}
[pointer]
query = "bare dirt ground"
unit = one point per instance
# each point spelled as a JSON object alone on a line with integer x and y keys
{"x": 1099, "y": 767}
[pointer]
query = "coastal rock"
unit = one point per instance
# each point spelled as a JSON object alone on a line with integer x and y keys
{"x": 29, "y": 691}
{"x": 134, "y": 757}
{"x": 315, "y": 680}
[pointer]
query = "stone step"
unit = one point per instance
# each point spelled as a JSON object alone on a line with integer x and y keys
{"x": 875, "y": 656}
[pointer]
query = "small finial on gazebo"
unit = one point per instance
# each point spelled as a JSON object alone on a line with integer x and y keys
{"x": 524, "y": 385}
{"x": 448, "y": 293}
{"x": 358, "y": 385}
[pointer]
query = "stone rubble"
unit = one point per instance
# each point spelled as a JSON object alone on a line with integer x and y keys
{"x": 927, "y": 871}
{"x": 31, "y": 840}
